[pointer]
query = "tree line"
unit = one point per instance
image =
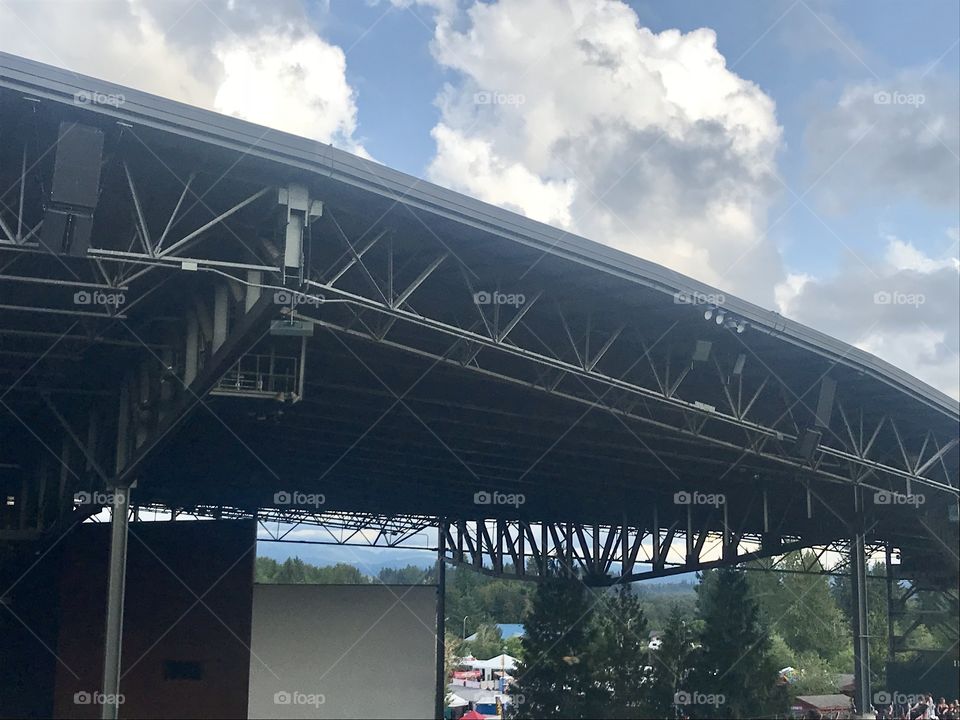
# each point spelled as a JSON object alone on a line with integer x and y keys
{"x": 587, "y": 654}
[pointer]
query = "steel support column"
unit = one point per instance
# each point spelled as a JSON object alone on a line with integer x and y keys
{"x": 861, "y": 630}
{"x": 888, "y": 566}
{"x": 115, "y": 591}
{"x": 441, "y": 693}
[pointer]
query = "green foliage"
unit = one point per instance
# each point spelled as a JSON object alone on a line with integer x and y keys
{"x": 483, "y": 600}
{"x": 513, "y": 647}
{"x": 409, "y": 575}
{"x": 670, "y": 664}
{"x": 782, "y": 654}
{"x": 801, "y": 608}
{"x": 816, "y": 677}
{"x": 619, "y": 653}
{"x": 734, "y": 663}
{"x": 296, "y": 572}
{"x": 554, "y": 680}
{"x": 487, "y": 644}
{"x": 876, "y": 617}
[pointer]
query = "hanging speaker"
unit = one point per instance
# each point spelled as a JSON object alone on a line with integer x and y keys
{"x": 74, "y": 189}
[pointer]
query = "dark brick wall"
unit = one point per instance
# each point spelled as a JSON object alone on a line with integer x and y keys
{"x": 166, "y": 629}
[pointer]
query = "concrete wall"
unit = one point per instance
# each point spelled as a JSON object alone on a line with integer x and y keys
{"x": 343, "y": 651}
{"x": 169, "y": 565}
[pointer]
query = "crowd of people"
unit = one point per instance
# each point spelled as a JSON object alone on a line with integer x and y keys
{"x": 923, "y": 709}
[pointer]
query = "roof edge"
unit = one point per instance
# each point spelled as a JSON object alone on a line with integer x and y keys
{"x": 49, "y": 82}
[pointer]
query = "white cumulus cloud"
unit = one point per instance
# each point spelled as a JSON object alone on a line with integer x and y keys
{"x": 299, "y": 84}
{"x": 904, "y": 309}
{"x": 574, "y": 112}
{"x": 898, "y": 137}
{"x": 257, "y": 61}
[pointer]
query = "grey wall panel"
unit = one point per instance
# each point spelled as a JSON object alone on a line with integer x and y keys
{"x": 342, "y": 651}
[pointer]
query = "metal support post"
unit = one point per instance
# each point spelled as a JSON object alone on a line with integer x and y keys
{"x": 891, "y": 646}
{"x": 115, "y": 590}
{"x": 441, "y": 693}
{"x": 861, "y": 631}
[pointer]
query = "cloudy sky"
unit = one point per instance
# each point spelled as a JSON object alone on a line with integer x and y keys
{"x": 804, "y": 154}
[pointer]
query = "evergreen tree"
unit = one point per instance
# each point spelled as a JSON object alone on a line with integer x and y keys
{"x": 801, "y": 608}
{"x": 734, "y": 675}
{"x": 670, "y": 663}
{"x": 409, "y": 575}
{"x": 619, "y": 654}
{"x": 554, "y": 679}
{"x": 513, "y": 646}
{"x": 292, "y": 571}
{"x": 488, "y": 643}
{"x": 265, "y": 569}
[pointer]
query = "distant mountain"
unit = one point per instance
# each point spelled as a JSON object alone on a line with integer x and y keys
{"x": 371, "y": 560}
{"x": 366, "y": 559}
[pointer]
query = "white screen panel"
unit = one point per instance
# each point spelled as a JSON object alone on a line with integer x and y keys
{"x": 343, "y": 651}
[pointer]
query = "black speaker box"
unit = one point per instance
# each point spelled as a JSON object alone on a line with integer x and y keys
{"x": 76, "y": 170}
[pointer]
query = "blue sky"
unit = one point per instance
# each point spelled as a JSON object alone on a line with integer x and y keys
{"x": 801, "y": 54}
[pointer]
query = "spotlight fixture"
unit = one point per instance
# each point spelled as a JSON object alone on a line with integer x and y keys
{"x": 741, "y": 326}
{"x": 719, "y": 318}
{"x": 708, "y": 313}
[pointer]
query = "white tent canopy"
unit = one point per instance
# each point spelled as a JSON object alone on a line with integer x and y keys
{"x": 500, "y": 662}
{"x": 456, "y": 701}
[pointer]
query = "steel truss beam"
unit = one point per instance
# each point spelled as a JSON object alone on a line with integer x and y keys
{"x": 692, "y": 423}
{"x": 753, "y": 413}
{"x": 600, "y": 554}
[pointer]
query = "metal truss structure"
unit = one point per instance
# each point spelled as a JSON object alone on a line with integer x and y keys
{"x": 714, "y": 400}
{"x": 205, "y": 315}
{"x": 599, "y": 555}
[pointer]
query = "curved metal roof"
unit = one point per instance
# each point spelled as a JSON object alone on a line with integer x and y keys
{"x": 44, "y": 81}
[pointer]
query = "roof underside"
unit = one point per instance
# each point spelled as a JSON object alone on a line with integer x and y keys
{"x": 399, "y": 415}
